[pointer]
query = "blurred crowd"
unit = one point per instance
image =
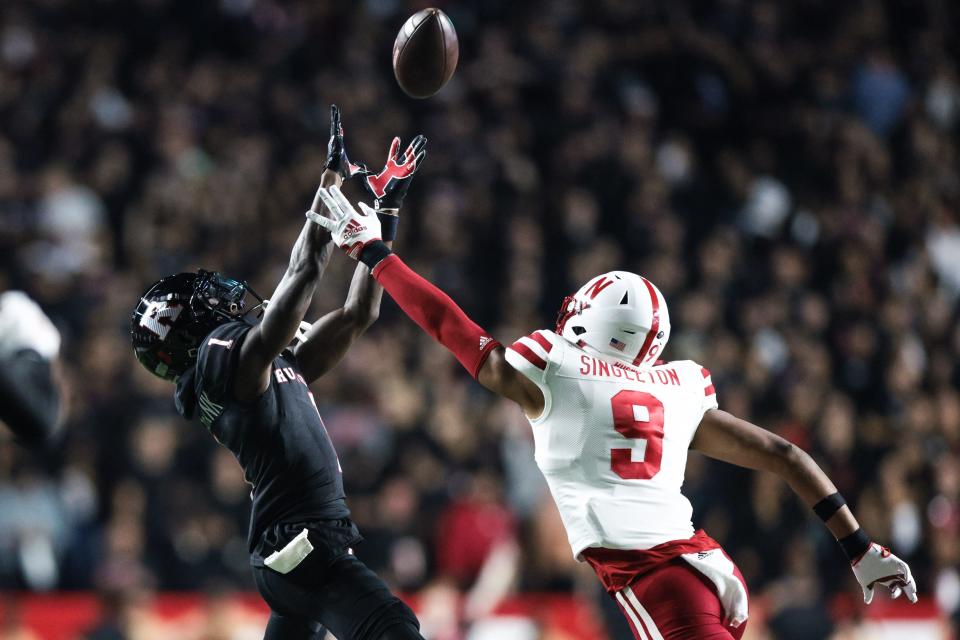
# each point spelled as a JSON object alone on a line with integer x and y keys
{"x": 785, "y": 172}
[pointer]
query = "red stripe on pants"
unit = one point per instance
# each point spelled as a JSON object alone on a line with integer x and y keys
{"x": 682, "y": 603}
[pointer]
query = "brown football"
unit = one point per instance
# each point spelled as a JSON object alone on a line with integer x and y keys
{"x": 425, "y": 53}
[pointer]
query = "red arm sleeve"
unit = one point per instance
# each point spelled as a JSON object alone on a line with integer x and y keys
{"x": 436, "y": 313}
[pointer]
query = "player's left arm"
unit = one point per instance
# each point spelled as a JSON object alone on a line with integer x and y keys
{"x": 503, "y": 379}
{"x": 725, "y": 437}
{"x": 330, "y": 337}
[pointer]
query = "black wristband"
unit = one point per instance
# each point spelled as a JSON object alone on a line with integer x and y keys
{"x": 388, "y": 226}
{"x": 829, "y": 506}
{"x": 373, "y": 253}
{"x": 855, "y": 545}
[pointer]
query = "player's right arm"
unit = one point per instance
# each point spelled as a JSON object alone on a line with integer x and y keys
{"x": 358, "y": 233}
{"x": 499, "y": 376}
{"x": 329, "y": 338}
{"x": 292, "y": 297}
{"x": 725, "y": 437}
{"x": 288, "y": 305}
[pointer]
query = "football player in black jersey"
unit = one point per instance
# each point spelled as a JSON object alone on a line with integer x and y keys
{"x": 248, "y": 386}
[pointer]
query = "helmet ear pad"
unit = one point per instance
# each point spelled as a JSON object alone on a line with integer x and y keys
{"x": 618, "y": 314}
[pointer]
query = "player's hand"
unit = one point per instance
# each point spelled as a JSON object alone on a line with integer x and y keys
{"x": 880, "y": 567}
{"x": 390, "y": 185}
{"x": 336, "y": 151}
{"x": 352, "y": 230}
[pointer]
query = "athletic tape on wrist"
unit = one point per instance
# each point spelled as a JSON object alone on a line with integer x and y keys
{"x": 855, "y": 545}
{"x": 829, "y": 506}
{"x": 373, "y": 253}
{"x": 388, "y": 225}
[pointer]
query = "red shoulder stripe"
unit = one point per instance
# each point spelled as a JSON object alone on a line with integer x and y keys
{"x": 528, "y": 353}
{"x": 709, "y": 391}
{"x": 541, "y": 340}
{"x": 705, "y": 372}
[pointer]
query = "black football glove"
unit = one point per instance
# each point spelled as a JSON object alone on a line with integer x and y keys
{"x": 390, "y": 185}
{"x": 336, "y": 153}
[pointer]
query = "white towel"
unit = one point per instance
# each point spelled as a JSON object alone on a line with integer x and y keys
{"x": 718, "y": 568}
{"x": 286, "y": 560}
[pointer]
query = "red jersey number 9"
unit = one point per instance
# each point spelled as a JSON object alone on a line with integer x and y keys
{"x": 637, "y": 415}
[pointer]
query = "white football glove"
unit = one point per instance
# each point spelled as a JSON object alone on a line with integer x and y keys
{"x": 879, "y": 566}
{"x": 24, "y": 325}
{"x": 352, "y": 230}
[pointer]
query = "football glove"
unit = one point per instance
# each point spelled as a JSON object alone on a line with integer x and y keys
{"x": 390, "y": 185}
{"x": 879, "y": 566}
{"x": 336, "y": 152}
{"x": 352, "y": 230}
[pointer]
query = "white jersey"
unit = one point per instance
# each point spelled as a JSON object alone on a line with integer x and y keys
{"x": 612, "y": 441}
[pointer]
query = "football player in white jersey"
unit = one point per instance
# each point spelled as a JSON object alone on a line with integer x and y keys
{"x": 612, "y": 426}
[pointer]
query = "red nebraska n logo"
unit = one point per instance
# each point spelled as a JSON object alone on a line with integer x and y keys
{"x": 594, "y": 290}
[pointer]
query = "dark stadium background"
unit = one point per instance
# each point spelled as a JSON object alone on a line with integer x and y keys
{"x": 786, "y": 172}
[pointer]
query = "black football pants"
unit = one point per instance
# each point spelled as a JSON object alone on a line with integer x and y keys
{"x": 344, "y": 597}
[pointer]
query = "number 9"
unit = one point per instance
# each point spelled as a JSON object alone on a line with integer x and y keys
{"x": 637, "y": 415}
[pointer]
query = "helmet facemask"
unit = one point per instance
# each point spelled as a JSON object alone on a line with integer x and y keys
{"x": 569, "y": 308}
{"x": 220, "y": 296}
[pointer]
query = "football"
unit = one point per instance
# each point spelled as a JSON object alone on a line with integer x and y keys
{"x": 425, "y": 53}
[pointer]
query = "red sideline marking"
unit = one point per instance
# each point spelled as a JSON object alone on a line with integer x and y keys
{"x": 527, "y": 353}
{"x": 65, "y": 616}
{"x": 538, "y": 337}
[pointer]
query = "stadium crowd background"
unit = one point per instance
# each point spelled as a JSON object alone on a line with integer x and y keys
{"x": 785, "y": 172}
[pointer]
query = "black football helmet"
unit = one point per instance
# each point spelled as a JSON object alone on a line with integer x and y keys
{"x": 177, "y": 313}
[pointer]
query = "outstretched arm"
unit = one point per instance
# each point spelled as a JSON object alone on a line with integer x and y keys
{"x": 288, "y": 304}
{"x": 437, "y": 314}
{"x": 328, "y": 340}
{"x": 725, "y": 437}
{"x": 730, "y": 439}
{"x": 358, "y": 233}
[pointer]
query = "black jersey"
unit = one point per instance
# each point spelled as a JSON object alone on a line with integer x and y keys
{"x": 279, "y": 438}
